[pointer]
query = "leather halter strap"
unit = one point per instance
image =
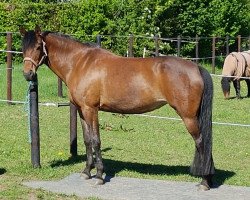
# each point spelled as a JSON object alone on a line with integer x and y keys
{"x": 45, "y": 54}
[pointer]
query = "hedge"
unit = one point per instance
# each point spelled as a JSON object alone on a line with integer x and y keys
{"x": 85, "y": 19}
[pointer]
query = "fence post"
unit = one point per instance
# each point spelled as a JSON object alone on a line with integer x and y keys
{"x": 73, "y": 130}
{"x": 130, "y": 47}
{"x": 34, "y": 123}
{"x": 9, "y": 67}
{"x": 197, "y": 49}
{"x": 59, "y": 87}
{"x": 99, "y": 40}
{"x": 156, "y": 45}
{"x": 227, "y": 44}
{"x": 239, "y": 43}
{"x": 213, "y": 55}
{"x": 178, "y": 45}
{"x": 249, "y": 42}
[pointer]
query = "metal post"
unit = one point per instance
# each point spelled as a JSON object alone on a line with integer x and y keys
{"x": 34, "y": 124}
{"x": 9, "y": 67}
{"x": 213, "y": 55}
{"x": 73, "y": 130}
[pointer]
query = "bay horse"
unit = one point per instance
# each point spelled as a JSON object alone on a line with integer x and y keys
{"x": 236, "y": 66}
{"x": 99, "y": 80}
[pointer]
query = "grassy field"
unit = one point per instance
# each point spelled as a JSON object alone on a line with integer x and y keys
{"x": 133, "y": 146}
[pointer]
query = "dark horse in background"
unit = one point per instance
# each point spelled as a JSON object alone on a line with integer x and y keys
{"x": 236, "y": 66}
{"x": 100, "y": 80}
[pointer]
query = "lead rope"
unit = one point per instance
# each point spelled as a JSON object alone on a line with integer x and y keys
{"x": 27, "y": 109}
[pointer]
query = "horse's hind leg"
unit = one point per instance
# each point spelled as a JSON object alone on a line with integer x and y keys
{"x": 236, "y": 84}
{"x": 89, "y": 120}
{"x": 197, "y": 167}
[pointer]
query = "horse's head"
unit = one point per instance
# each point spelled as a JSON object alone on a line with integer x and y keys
{"x": 225, "y": 84}
{"x": 34, "y": 52}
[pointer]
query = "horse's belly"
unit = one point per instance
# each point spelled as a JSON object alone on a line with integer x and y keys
{"x": 132, "y": 106}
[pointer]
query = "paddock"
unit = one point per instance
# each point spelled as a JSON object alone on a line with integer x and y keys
{"x": 230, "y": 130}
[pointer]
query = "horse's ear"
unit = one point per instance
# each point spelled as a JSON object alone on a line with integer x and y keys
{"x": 22, "y": 30}
{"x": 38, "y": 30}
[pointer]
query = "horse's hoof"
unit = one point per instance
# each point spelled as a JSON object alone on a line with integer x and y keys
{"x": 203, "y": 187}
{"x": 85, "y": 176}
{"x": 99, "y": 181}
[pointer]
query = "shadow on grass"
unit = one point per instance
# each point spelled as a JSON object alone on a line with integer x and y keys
{"x": 235, "y": 98}
{"x": 2, "y": 171}
{"x": 113, "y": 167}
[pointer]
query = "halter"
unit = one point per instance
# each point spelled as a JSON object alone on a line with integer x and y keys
{"x": 41, "y": 60}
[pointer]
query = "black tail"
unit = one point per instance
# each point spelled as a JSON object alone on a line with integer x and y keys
{"x": 203, "y": 161}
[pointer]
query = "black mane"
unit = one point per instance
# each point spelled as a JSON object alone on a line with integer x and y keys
{"x": 88, "y": 44}
{"x": 29, "y": 40}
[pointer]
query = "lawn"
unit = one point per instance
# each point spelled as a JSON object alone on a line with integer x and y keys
{"x": 132, "y": 146}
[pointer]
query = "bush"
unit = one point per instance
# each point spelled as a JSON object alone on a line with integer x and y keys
{"x": 168, "y": 19}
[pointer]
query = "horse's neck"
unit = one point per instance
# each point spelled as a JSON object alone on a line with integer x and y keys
{"x": 60, "y": 56}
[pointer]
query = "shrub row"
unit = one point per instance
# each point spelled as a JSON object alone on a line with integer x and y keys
{"x": 166, "y": 18}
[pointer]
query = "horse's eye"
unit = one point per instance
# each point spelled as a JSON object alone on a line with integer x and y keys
{"x": 38, "y": 48}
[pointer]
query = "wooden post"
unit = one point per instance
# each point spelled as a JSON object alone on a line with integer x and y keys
{"x": 130, "y": 48}
{"x": 9, "y": 67}
{"x": 197, "y": 49}
{"x": 34, "y": 123}
{"x": 213, "y": 55}
{"x": 59, "y": 87}
{"x": 73, "y": 130}
{"x": 227, "y": 44}
{"x": 249, "y": 42}
{"x": 239, "y": 43}
{"x": 178, "y": 45}
{"x": 156, "y": 45}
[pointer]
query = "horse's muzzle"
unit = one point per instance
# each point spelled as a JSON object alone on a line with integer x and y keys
{"x": 225, "y": 84}
{"x": 226, "y": 95}
{"x": 29, "y": 76}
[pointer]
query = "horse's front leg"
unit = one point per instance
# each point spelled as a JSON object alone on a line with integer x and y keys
{"x": 93, "y": 143}
{"x": 89, "y": 152}
{"x": 203, "y": 157}
{"x": 248, "y": 87}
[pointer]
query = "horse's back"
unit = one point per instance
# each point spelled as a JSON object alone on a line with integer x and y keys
{"x": 246, "y": 55}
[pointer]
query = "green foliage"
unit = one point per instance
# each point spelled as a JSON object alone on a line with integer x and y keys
{"x": 167, "y": 18}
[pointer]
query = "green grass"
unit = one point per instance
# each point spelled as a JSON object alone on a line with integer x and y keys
{"x": 132, "y": 146}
